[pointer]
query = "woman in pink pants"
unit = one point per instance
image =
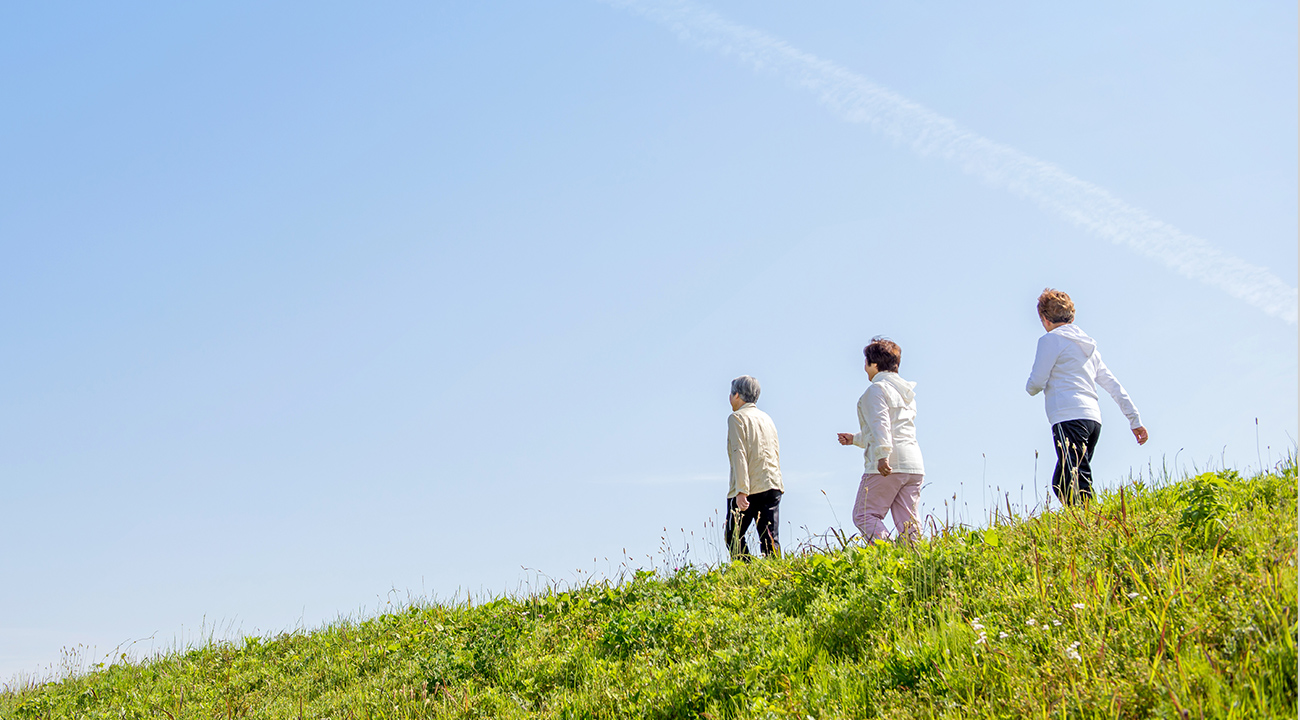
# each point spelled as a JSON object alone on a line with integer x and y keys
{"x": 887, "y": 416}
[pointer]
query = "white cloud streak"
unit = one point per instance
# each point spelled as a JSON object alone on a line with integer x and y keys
{"x": 858, "y": 100}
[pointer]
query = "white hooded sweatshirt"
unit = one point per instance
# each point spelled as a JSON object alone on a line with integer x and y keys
{"x": 1069, "y": 367}
{"x": 887, "y": 416}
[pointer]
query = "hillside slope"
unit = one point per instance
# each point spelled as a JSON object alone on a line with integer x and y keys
{"x": 1155, "y": 602}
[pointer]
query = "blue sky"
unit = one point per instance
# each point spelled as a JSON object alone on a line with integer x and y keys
{"x": 304, "y": 304}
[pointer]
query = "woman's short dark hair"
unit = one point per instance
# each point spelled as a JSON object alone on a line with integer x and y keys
{"x": 884, "y": 353}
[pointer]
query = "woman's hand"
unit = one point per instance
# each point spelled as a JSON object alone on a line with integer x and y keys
{"x": 883, "y": 466}
{"x": 845, "y": 438}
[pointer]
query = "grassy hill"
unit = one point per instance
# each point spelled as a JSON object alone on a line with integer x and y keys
{"x": 1158, "y": 601}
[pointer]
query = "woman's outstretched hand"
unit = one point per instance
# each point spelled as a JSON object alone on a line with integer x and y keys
{"x": 845, "y": 438}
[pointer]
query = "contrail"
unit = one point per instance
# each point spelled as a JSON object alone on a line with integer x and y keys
{"x": 858, "y": 100}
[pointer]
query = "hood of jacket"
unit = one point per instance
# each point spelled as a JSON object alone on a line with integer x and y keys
{"x": 1074, "y": 334}
{"x": 902, "y": 387}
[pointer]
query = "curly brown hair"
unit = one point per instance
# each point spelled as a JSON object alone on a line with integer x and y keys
{"x": 884, "y": 353}
{"x": 1056, "y": 306}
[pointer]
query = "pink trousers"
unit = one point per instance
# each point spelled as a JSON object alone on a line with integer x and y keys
{"x": 897, "y": 493}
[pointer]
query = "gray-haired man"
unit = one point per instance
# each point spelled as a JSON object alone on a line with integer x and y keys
{"x": 754, "y": 495}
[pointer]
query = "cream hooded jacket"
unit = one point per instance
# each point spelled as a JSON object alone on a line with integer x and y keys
{"x": 887, "y": 416}
{"x": 1069, "y": 368}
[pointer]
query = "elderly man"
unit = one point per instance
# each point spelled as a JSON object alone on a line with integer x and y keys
{"x": 754, "y": 495}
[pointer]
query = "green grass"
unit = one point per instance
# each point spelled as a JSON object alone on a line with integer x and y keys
{"x": 1165, "y": 599}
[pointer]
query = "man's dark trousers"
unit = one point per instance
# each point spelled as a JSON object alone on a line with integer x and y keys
{"x": 765, "y": 511}
{"x": 1074, "y": 440}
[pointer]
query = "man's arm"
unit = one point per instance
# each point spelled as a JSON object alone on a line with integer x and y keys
{"x": 737, "y": 454}
{"x": 1110, "y": 384}
{"x": 1044, "y": 359}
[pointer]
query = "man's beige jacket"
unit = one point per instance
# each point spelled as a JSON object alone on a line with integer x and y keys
{"x": 754, "y": 452}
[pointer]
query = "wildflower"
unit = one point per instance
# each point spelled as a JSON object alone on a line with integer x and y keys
{"x": 1133, "y": 595}
{"x": 1078, "y": 606}
{"x": 1073, "y": 655}
{"x": 1031, "y": 622}
{"x": 1056, "y": 623}
{"x": 1003, "y": 636}
{"x": 976, "y": 626}
{"x": 982, "y": 639}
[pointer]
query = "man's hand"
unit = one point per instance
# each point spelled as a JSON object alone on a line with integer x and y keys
{"x": 845, "y": 438}
{"x": 742, "y": 501}
{"x": 883, "y": 466}
{"x": 1140, "y": 433}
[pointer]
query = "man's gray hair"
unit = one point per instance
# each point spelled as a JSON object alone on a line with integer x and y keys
{"x": 746, "y": 387}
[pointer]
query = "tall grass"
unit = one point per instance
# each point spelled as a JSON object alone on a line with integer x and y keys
{"x": 1160, "y": 599}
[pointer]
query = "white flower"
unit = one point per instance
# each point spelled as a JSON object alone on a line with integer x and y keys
{"x": 1144, "y": 598}
{"x": 1132, "y": 595}
{"x": 1031, "y": 622}
{"x": 1073, "y": 655}
{"x": 1074, "y": 644}
{"x": 976, "y": 626}
{"x": 982, "y": 639}
{"x": 1056, "y": 623}
{"x": 1078, "y": 606}
{"x": 1003, "y": 636}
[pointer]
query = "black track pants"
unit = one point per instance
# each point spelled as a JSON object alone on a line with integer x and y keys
{"x": 1074, "y": 441}
{"x": 765, "y": 511}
